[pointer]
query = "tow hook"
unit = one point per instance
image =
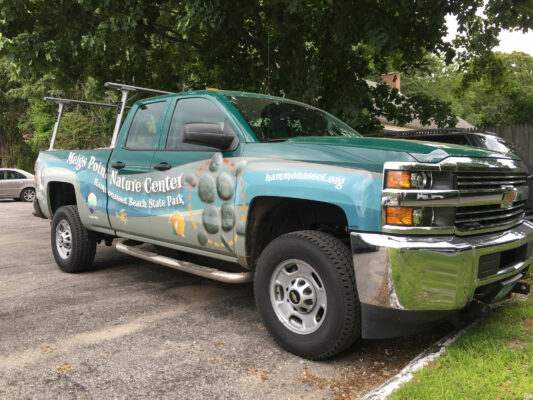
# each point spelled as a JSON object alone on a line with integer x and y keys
{"x": 521, "y": 287}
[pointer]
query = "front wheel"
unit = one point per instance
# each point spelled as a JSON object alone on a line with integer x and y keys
{"x": 27, "y": 195}
{"x": 305, "y": 291}
{"x": 73, "y": 249}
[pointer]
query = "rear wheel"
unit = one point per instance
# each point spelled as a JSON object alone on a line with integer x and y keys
{"x": 27, "y": 195}
{"x": 305, "y": 291}
{"x": 71, "y": 245}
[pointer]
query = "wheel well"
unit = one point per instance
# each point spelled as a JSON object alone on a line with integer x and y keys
{"x": 60, "y": 194}
{"x": 270, "y": 217}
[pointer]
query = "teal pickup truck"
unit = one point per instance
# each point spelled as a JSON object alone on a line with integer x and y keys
{"x": 343, "y": 236}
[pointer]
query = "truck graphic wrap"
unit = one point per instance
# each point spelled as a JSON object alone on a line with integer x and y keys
{"x": 205, "y": 204}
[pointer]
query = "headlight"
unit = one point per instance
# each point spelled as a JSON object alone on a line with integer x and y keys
{"x": 408, "y": 180}
{"x": 420, "y": 180}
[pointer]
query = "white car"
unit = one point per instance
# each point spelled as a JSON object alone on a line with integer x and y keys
{"x": 16, "y": 184}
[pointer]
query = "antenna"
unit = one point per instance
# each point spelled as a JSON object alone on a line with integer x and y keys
{"x": 268, "y": 63}
{"x": 268, "y": 81}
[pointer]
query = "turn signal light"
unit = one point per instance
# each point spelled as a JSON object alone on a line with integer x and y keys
{"x": 399, "y": 216}
{"x": 398, "y": 179}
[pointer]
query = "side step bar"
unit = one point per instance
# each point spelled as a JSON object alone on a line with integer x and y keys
{"x": 129, "y": 247}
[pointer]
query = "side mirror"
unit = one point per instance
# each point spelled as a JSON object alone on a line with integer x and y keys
{"x": 212, "y": 135}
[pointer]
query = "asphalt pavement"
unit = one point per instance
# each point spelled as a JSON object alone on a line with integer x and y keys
{"x": 130, "y": 329}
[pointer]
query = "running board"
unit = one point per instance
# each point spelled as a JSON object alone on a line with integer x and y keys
{"x": 205, "y": 272}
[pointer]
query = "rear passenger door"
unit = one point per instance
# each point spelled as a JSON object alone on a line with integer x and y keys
{"x": 202, "y": 214}
{"x": 130, "y": 173}
{"x": 11, "y": 183}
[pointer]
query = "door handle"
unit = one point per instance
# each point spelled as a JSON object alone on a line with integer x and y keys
{"x": 162, "y": 166}
{"x": 118, "y": 165}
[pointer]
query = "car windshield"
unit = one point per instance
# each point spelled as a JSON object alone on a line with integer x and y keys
{"x": 274, "y": 119}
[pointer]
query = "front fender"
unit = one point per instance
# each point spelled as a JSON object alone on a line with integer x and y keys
{"x": 356, "y": 192}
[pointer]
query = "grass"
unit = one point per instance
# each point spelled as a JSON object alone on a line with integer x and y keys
{"x": 493, "y": 361}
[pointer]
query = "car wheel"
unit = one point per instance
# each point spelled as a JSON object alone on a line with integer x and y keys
{"x": 72, "y": 247}
{"x": 305, "y": 291}
{"x": 27, "y": 195}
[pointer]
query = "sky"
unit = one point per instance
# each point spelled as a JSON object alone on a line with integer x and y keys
{"x": 509, "y": 41}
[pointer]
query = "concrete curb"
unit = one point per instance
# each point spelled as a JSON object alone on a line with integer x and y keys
{"x": 427, "y": 356}
{"x": 423, "y": 359}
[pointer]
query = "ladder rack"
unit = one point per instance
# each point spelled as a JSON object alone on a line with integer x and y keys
{"x": 121, "y": 107}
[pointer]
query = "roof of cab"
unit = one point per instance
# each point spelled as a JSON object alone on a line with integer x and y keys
{"x": 218, "y": 93}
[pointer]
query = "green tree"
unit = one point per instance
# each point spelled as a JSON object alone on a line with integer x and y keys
{"x": 15, "y": 152}
{"x": 81, "y": 127}
{"x": 507, "y": 100}
{"x": 317, "y": 51}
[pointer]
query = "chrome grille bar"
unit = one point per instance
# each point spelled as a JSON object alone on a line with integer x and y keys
{"x": 498, "y": 183}
{"x": 475, "y": 180}
{"x": 487, "y": 218}
{"x": 517, "y": 205}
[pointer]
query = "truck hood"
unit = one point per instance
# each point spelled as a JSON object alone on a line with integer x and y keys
{"x": 420, "y": 151}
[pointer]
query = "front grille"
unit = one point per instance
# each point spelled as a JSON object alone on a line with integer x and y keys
{"x": 489, "y": 180}
{"x": 487, "y": 216}
{"x": 469, "y": 219}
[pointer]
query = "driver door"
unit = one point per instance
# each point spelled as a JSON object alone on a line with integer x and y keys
{"x": 202, "y": 214}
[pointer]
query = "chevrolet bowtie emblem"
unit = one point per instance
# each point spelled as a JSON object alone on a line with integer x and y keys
{"x": 509, "y": 196}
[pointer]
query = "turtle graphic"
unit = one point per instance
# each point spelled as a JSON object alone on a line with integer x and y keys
{"x": 214, "y": 183}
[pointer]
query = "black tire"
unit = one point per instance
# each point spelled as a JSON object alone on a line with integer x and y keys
{"x": 27, "y": 195}
{"x": 340, "y": 325}
{"x": 76, "y": 254}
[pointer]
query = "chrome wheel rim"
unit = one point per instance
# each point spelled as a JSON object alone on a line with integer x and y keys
{"x": 63, "y": 239}
{"x": 28, "y": 195}
{"x": 298, "y": 296}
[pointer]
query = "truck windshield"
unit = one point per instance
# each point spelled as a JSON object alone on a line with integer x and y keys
{"x": 274, "y": 119}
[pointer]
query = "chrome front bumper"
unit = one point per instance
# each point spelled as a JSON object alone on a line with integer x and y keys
{"x": 431, "y": 273}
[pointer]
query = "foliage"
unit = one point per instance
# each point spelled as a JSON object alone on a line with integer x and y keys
{"x": 80, "y": 127}
{"x": 14, "y": 151}
{"x": 316, "y": 51}
{"x": 486, "y": 102}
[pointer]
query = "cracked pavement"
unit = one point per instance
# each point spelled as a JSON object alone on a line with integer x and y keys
{"x": 132, "y": 329}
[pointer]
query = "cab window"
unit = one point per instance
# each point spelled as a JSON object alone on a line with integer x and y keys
{"x": 144, "y": 126}
{"x": 187, "y": 111}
